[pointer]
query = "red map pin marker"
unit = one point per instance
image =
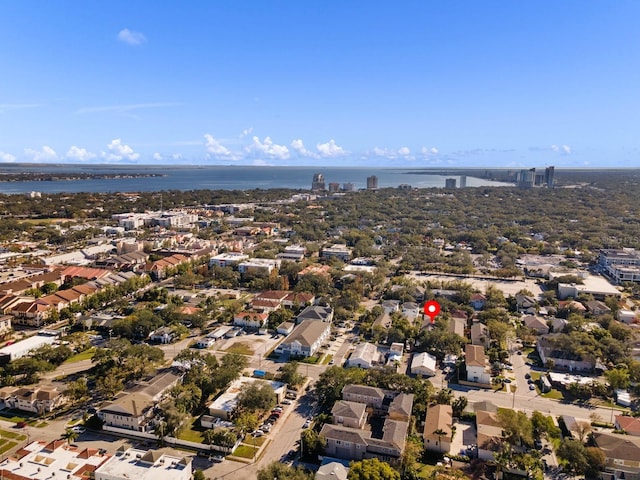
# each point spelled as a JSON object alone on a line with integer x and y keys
{"x": 432, "y": 309}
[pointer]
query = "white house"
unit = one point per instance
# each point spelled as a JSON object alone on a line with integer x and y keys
{"x": 627, "y": 316}
{"x": 410, "y": 310}
{"x": 423, "y": 364}
{"x": 259, "y": 265}
{"x": 250, "y": 319}
{"x": 364, "y": 356}
{"x": 306, "y": 338}
{"x": 476, "y": 362}
{"x": 227, "y": 259}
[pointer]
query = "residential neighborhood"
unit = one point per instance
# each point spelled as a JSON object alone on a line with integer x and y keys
{"x": 253, "y": 346}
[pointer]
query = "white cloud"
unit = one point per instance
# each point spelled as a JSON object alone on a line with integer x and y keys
{"x": 330, "y": 149}
{"x": 45, "y": 154}
{"x": 246, "y": 132}
{"x": 390, "y": 153}
{"x": 563, "y": 149}
{"x": 157, "y": 157}
{"x": 298, "y": 146}
{"x": 130, "y": 37}
{"x": 7, "y": 157}
{"x": 267, "y": 147}
{"x": 80, "y": 154}
{"x": 429, "y": 151}
{"x": 176, "y": 156}
{"x": 215, "y": 149}
{"x": 119, "y": 151}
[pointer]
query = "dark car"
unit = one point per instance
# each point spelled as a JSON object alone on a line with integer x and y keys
{"x": 527, "y": 375}
{"x": 291, "y": 454}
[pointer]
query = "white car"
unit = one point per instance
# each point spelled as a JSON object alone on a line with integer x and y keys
{"x": 306, "y": 424}
{"x": 78, "y": 429}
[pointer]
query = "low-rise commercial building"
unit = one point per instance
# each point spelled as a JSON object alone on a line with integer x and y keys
{"x": 140, "y": 464}
{"x": 57, "y": 459}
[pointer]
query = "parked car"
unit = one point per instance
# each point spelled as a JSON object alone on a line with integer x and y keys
{"x": 306, "y": 424}
{"x": 216, "y": 458}
{"x": 287, "y": 402}
{"x": 21, "y": 424}
{"x": 532, "y": 387}
{"x": 78, "y": 429}
{"x": 527, "y": 375}
{"x": 507, "y": 380}
{"x": 257, "y": 433}
{"x": 291, "y": 454}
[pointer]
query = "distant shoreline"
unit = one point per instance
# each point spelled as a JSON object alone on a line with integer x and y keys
{"x": 66, "y": 177}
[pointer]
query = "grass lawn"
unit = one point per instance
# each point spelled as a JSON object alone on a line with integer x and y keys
{"x": 249, "y": 440}
{"x": 425, "y": 471}
{"x": 245, "y": 451}
{"x": 10, "y": 417}
{"x": 12, "y": 435}
{"x": 42, "y": 425}
{"x": 535, "y": 376}
{"x": 327, "y": 359}
{"x": 191, "y": 435}
{"x": 86, "y": 355}
{"x": 242, "y": 348}
{"x": 6, "y": 446}
{"x": 311, "y": 360}
{"x": 555, "y": 394}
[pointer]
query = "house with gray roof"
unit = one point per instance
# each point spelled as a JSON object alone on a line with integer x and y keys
{"x": 349, "y": 414}
{"x": 315, "y": 312}
{"x": 306, "y": 338}
{"x": 386, "y": 440}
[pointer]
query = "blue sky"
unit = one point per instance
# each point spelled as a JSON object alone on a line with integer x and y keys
{"x": 422, "y": 84}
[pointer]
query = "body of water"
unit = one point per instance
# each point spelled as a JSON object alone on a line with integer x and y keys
{"x": 218, "y": 178}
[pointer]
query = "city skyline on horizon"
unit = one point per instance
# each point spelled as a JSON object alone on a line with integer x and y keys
{"x": 460, "y": 85}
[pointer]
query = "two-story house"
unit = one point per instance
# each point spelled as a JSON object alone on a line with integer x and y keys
{"x": 476, "y": 364}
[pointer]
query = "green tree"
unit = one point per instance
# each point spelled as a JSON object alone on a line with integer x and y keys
{"x": 372, "y": 469}
{"x": 245, "y": 422}
{"x": 574, "y": 455}
{"x": 199, "y": 475}
{"x": 70, "y": 435}
{"x": 618, "y": 378}
{"x": 458, "y": 405}
{"x": 256, "y": 398}
{"x": 312, "y": 443}
{"x": 283, "y": 472}
{"x": 517, "y": 427}
{"x": 289, "y": 375}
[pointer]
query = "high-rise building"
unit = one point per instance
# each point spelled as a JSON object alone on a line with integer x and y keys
{"x": 450, "y": 183}
{"x": 334, "y": 187}
{"x": 463, "y": 181}
{"x": 526, "y": 178}
{"x": 549, "y": 174}
{"x": 347, "y": 187}
{"x": 372, "y": 182}
{"x": 318, "y": 182}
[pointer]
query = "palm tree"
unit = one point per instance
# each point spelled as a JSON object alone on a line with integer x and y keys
{"x": 160, "y": 431}
{"x": 70, "y": 435}
{"x": 440, "y": 433}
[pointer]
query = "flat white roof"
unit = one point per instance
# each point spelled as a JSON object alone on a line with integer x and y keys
{"x": 146, "y": 465}
{"x": 56, "y": 463}
{"x": 228, "y": 400}
{"x": 28, "y": 344}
